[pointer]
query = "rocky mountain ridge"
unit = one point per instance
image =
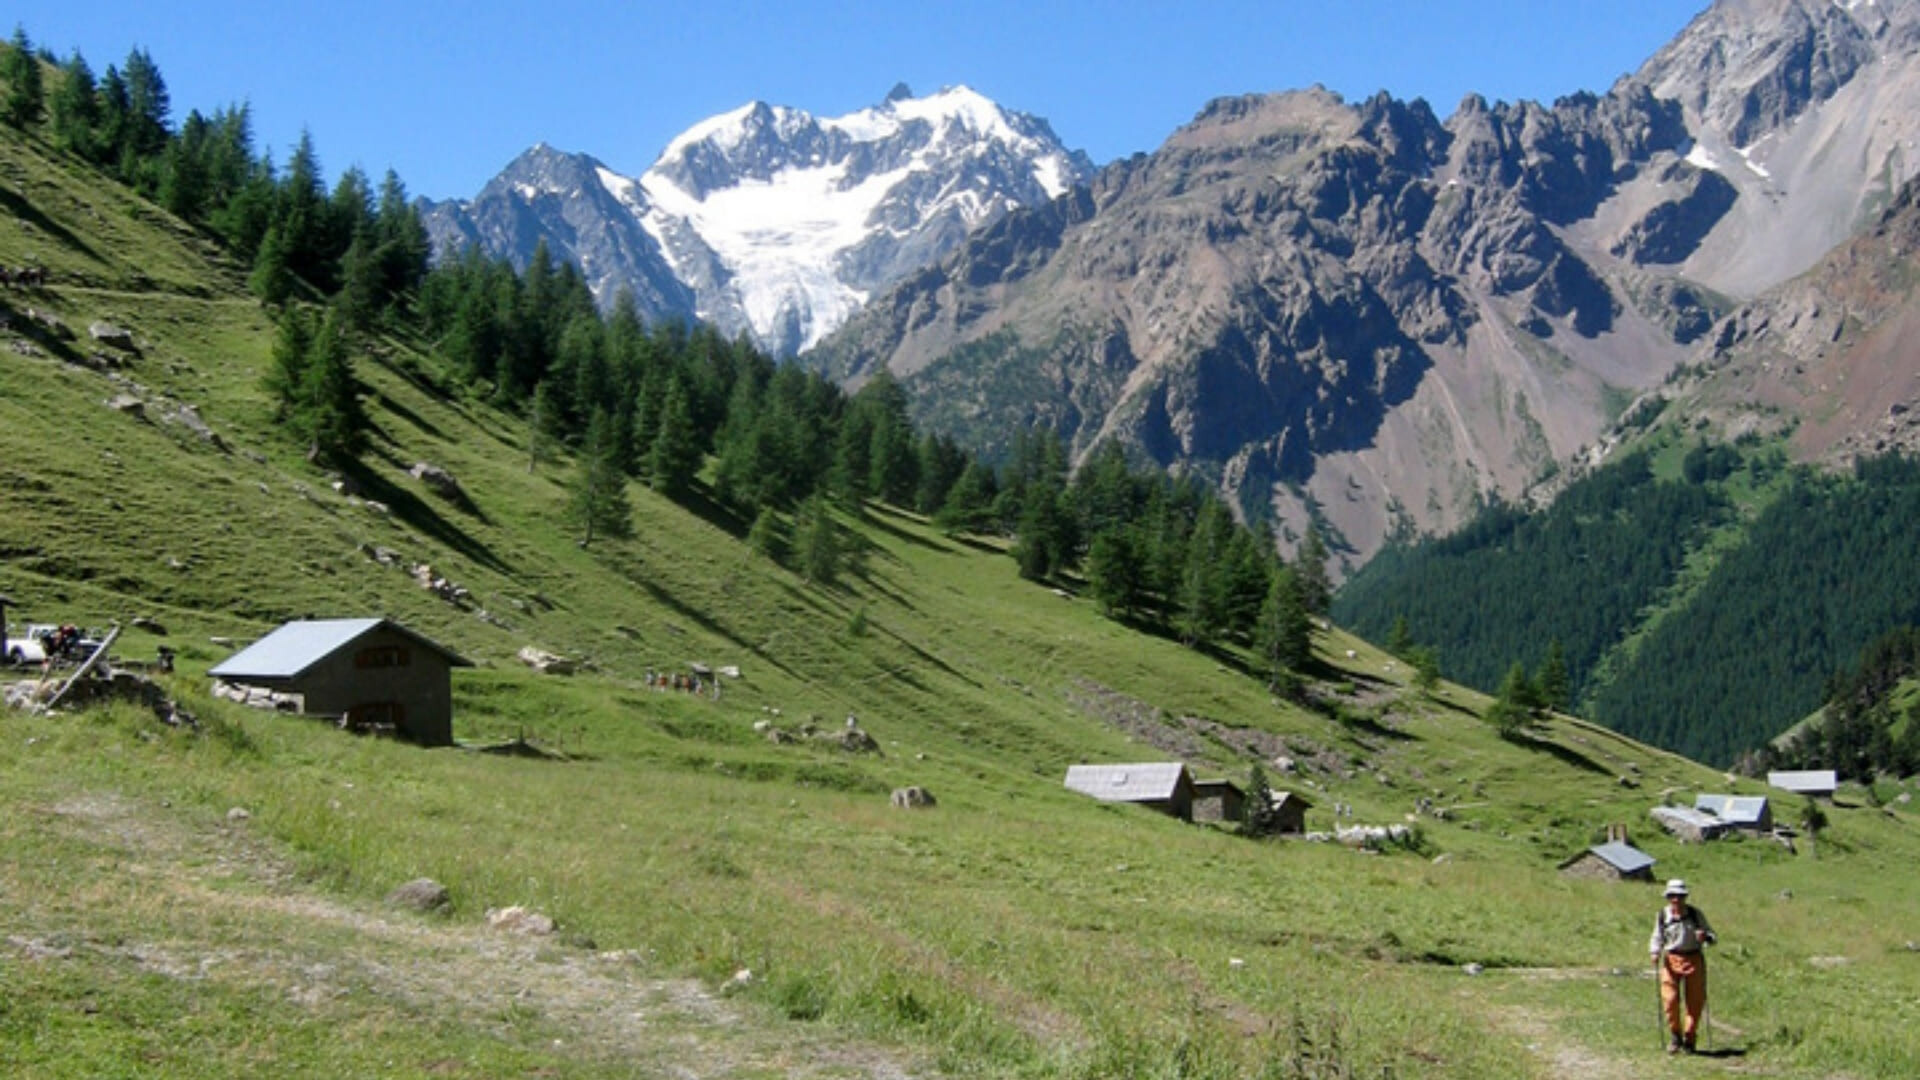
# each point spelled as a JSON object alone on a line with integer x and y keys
{"x": 768, "y": 220}
{"x": 1358, "y": 314}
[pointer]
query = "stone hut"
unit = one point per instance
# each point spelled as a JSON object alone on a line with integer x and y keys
{"x": 1687, "y": 824}
{"x": 1289, "y": 812}
{"x": 1218, "y": 800}
{"x": 1615, "y": 860}
{"x": 371, "y": 674}
{"x": 1165, "y": 786}
{"x": 1746, "y": 813}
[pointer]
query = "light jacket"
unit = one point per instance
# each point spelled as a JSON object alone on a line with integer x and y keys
{"x": 1685, "y": 934}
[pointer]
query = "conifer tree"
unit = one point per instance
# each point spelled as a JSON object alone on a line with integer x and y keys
{"x": 674, "y": 457}
{"x": 25, "y": 102}
{"x": 764, "y": 537}
{"x": 1310, "y": 565}
{"x": 75, "y": 108}
{"x": 148, "y": 106}
{"x": 1116, "y": 572}
{"x": 286, "y": 377}
{"x": 331, "y": 417}
{"x": 1283, "y": 636}
{"x": 819, "y": 542}
{"x": 597, "y": 503}
{"x": 272, "y": 277}
{"x": 1511, "y": 712}
{"x": 969, "y": 503}
{"x": 1551, "y": 683}
{"x": 1400, "y": 637}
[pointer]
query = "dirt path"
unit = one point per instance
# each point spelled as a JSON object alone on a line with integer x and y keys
{"x": 1544, "y": 1031}
{"x": 254, "y": 924}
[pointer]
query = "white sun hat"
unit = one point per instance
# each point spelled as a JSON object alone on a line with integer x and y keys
{"x": 1676, "y": 887}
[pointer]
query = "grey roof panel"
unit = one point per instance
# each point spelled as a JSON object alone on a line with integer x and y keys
{"x": 294, "y": 647}
{"x": 1804, "y": 780}
{"x": 1144, "y": 782}
{"x": 1623, "y": 857}
{"x": 1733, "y": 809}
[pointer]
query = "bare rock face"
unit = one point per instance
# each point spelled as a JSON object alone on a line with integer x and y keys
{"x": 1356, "y": 314}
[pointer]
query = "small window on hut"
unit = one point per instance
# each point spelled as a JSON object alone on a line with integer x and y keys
{"x": 381, "y": 656}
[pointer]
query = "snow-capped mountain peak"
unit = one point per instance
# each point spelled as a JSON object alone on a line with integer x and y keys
{"x": 767, "y": 219}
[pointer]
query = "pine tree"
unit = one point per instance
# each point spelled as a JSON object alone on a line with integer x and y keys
{"x": 25, "y": 102}
{"x": 1510, "y": 714}
{"x": 1116, "y": 572}
{"x": 75, "y": 108}
{"x": 764, "y": 537}
{"x": 332, "y": 418}
{"x": 1400, "y": 638}
{"x": 1310, "y": 564}
{"x": 148, "y": 106}
{"x": 286, "y": 377}
{"x": 597, "y": 503}
{"x": 968, "y": 507}
{"x": 674, "y": 457}
{"x": 819, "y": 542}
{"x": 272, "y": 277}
{"x": 1551, "y": 682}
{"x": 540, "y": 426}
{"x": 1283, "y": 637}
{"x": 1426, "y": 667}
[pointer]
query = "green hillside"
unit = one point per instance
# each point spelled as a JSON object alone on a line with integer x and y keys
{"x": 208, "y": 901}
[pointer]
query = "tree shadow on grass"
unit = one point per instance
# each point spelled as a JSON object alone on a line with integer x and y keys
{"x": 1564, "y": 753}
{"x": 24, "y": 210}
{"x": 422, "y": 423}
{"x": 697, "y": 500}
{"x": 412, "y": 509}
{"x": 877, "y": 515}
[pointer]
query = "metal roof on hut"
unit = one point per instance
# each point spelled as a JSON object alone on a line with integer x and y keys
{"x": 1739, "y": 811}
{"x": 293, "y": 647}
{"x": 1818, "y": 782}
{"x": 1163, "y": 785}
{"x": 1144, "y": 782}
{"x": 1614, "y": 859}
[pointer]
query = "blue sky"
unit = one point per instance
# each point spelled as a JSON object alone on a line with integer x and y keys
{"x": 447, "y": 94}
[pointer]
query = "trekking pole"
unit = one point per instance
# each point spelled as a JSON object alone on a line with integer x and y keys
{"x": 1659, "y": 998}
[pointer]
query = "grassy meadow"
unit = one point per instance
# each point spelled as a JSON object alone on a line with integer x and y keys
{"x": 1015, "y": 929}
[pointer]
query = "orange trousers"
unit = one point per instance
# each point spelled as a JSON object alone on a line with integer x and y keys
{"x": 1683, "y": 978}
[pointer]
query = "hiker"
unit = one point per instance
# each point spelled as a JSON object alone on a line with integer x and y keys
{"x": 1679, "y": 935}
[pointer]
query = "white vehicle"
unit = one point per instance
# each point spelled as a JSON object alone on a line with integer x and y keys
{"x": 26, "y": 649}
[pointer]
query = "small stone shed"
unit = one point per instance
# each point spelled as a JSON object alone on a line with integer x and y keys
{"x": 371, "y": 673}
{"x": 1165, "y": 786}
{"x": 1747, "y": 813}
{"x": 1817, "y": 783}
{"x": 1289, "y": 813}
{"x": 1615, "y": 860}
{"x": 1218, "y": 800}
{"x": 1687, "y": 824}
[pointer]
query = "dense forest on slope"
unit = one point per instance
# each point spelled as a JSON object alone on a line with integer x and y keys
{"x": 1824, "y": 571}
{"x": 1709, "y": 656}
{"x": 1514, "y": 581}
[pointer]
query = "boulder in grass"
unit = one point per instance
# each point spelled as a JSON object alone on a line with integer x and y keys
{"x": 544, "y": 662}
{"x": 519, "y": 920}
{"x": 421, "y": 894}
{"x": 114, "y": 337}
{"x": 912, "y": 798}
{"x": 438, "y": 479}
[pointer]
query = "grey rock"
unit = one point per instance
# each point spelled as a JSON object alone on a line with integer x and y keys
{"x": 422, "y": 894}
